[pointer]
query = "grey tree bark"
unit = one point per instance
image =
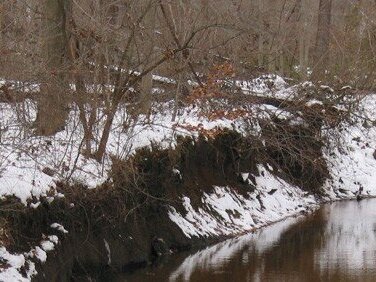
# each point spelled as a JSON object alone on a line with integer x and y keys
{"x": 321, "y": 53}
{"x": 52, "y": 103}
{"x": 1, "y": 19}
{"x": 146, "y": 94}
{"x": 260, "y": 57}
{"x": 1, "y": 26}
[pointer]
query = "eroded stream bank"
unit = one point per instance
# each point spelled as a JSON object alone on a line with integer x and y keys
{"x": 335, "y": 243}
{"x": 162, "y": 201}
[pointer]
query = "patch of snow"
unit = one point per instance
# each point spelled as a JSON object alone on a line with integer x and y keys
{"x": 312, "y": 102}
{"x": 327, "y": 88}
{"x": 307, "y": 84}
{"x": 40, "y": 254}
{"x": 14, "y": 260}
{"x": 163, "y": 79}
{"x": 14, "y": 263}
{"x": 54, "y": 239}
{"x": 347, "y": 87}
{"x": 262, "y": 85}
{"x": 12, "y": 269}
{"x": 244, "y": 176}
{"x": 226, "y": 212}
{"x": 59, "y": 227}
{"x": 47, "y": 245}
{"x": 177, "y": 172}
{"x": 107, "y": 246}
{"x": 35, "y": 205}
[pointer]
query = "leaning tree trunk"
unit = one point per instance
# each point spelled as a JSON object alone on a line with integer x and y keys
{"x": 321, "y": 52}
{"x": 52, "y": 104}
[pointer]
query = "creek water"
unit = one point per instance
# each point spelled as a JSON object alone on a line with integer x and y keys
{"x": 335, "y": 243}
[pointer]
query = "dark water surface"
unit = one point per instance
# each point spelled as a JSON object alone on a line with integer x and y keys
{"x": 336, "y": 243}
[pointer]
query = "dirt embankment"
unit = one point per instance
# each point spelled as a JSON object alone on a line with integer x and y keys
{"x": 125, "y": 222}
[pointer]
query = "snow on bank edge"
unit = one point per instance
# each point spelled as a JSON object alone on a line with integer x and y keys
{"x": 226, "y": 212}
{"x": 13, "y": 265}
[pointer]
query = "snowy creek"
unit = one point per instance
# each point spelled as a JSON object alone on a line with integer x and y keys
{"x": 335, "y": 243}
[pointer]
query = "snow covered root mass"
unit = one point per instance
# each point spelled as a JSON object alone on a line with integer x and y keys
{"x": 225, "y": 212}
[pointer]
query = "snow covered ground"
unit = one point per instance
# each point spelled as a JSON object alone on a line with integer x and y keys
{"x": 30, "y": 167}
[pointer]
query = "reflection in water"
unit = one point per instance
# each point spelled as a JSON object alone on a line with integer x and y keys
{"x": 218, "y": 258}
{"x": 350, "y": 242}
{"x": 336, "y": 243}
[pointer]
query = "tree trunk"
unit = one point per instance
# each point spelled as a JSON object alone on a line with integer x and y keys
{"x": 260, "y": 57}
{"x": 1, "y": 28}
{"x": 52, "y": 105}
{"x": 145, "y": 94}
{"x": 303, "y": 39}
{"x": 177, "y": 96}
{"x": 99, "y": 154}
{"x": 321, "y": 53}
{"x": 1, "y": 20}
